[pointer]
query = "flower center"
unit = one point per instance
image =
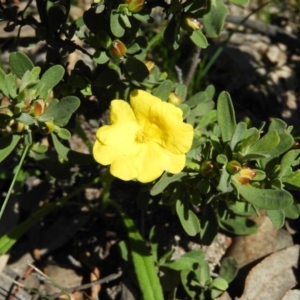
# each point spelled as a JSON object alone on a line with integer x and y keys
{"x": 141, "y": 137}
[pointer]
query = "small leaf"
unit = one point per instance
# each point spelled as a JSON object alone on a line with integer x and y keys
{"x": 50, "y": 79}
{"x": 182, "y": 263}
{"x": 265, "y": 198}
{"x": 277, "y": 217}
{"x": 188, "y": 219}
{"x": 292, "y": 181}
{"x": 163, "y": 90}
{"x": 226, "y": 116}
{"x": 199, "y": 39}
{"x": 20, "y": 63}
{"x": 136, "y": 69}
{"x": 213, "y": 21}
{"x": 116, "y": 28}
{"x": 240, "y": 129}
{"x": 220, "y": 284}
{"x": 229, "y": 268}
{"x": 61, "y": 111}
{"x": 3, "y": 88}
{"x": 288, "y": 161}
{"x": 64, "y": 133}
{"x": 100, "y": 57}
{"x": 268, "y": 142}
{"x": 11, "y": 85}
{"x": 8, "y": 144}
{"x": 164, "y": 181}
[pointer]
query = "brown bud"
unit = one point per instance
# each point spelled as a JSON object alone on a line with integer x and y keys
{"x": 246, "y": 175}
{"x": 174, "y": 99}
{"x": 135, "y": 5}
{"x": 233, "y": 167}
{"x": 39, "y": 107}
{"x": 190, "y": 24}
{"x": 117, "y": 49}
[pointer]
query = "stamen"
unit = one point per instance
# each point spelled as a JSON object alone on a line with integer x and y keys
{"x": 141, "y": 137}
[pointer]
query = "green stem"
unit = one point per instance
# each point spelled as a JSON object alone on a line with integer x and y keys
{"x": 14, "y": 180}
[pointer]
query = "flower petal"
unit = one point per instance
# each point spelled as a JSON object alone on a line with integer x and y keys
{"x": 112, "y": 141}
{"x": 156, "y": 160}
{"x": 129, "y": 164}
{"x": 175, "y": 135}
{"x": 121, "y": 112}
{"x": 141, "y": 103}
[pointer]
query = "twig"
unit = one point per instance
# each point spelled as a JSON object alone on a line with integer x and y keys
{"x": 272, "y": 31}
{"x": 89, "y": 285}
{"x": 194, "y": 64}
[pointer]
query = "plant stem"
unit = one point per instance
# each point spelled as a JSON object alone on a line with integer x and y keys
{"x": 14, "y": 180}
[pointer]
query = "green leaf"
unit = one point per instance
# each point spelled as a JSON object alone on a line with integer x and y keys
{"x": 50, "y": 79}
{"x": 288, "y": 161}
{"x": 164, "y": 181}
{"x": 142, "y": 260}
{"x": 229, "y": 269}
{"x": 264, "y": 198}
{"x": 60, "y": 111}
{"x": 163, "y": 90}
{"x": 185, "y": 110}
{"x": 220, "y": 284}
{"x": 11, "y": 85}
{"x": 213, "y": 21}
{"x": 64, "y": 133}
{"x": 197, "y": 99}
{"x": 238, "y": 225}
{"x": 292, "y": 181}
{"x": 268, "y": 142}
{"x": 8, "y": 144}
{"x": 26, "y": 119}
{"x": 292, "y": 211}
{"x": 115, "y": 25}
{"x": 3, "y": 88}
{"x": 107, "y": 78}
{"x": 27, "y": 80}
{"x": 277, "y": 217}
{"x": 136, "y": 69}
{"x": 199, "y": 39}
{"x": 240, "y": 129}
{"x": 188, "y": 219}
{"x": 226, "y": 116}
{"x": 182, "y": 263}
{"x": 100, "y": 57}
{"x": 20, "y": 63}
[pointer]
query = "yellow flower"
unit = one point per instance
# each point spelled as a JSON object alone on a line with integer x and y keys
{"x": 144, "y": 139}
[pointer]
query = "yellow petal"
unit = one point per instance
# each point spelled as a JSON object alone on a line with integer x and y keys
{"x": 175, "y": 135}
{"x": 156, "y": 160}
{"x": 121, "y": 112}
{"x": 113, "y": 140}
{"x": 128, "y": 165}
{"x": 141, "y": 103}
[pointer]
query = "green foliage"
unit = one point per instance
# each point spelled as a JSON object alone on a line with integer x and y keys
{"x": 232, "y": 170}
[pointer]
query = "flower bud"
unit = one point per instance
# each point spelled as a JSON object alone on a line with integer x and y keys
{"x": 174, "y": 99}
{"x": 117, "y": 49}
{"x": 150, "y": 66}
{"x": 208, "y": 169}
{"x": 47, "y": 127}
{"x": 190, "y": 24}
{"x": 246, "y": 175}
{"x": 135, "y": 5}
{"x": 18, "y": 127}
{"x": 233, "y": 167}
{"x": 39, "y": 107}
